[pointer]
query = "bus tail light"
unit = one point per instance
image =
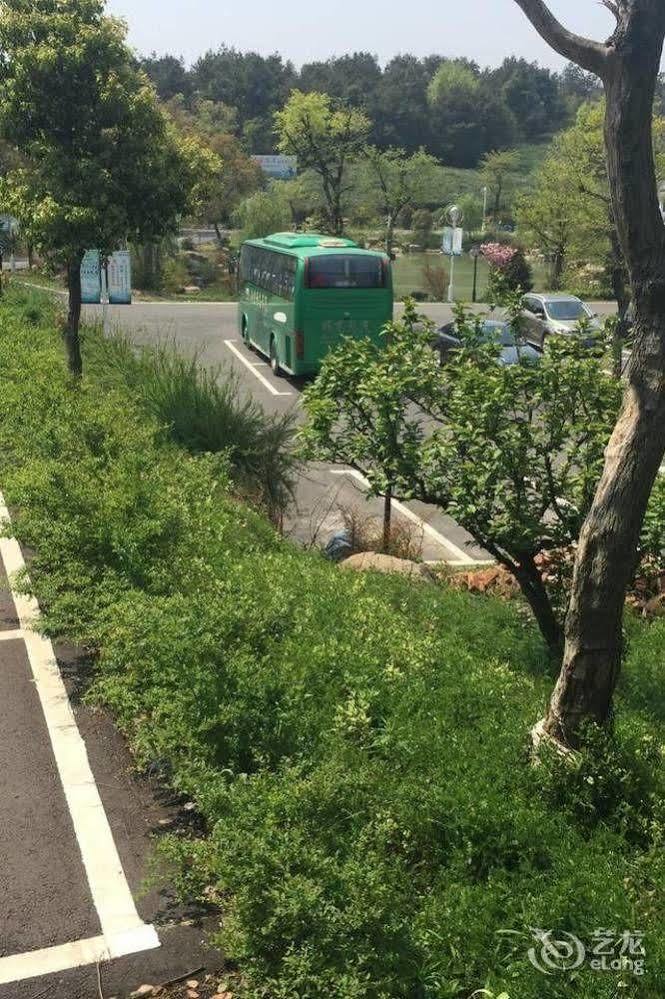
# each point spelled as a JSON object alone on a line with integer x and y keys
{"x": 300, "y": 345}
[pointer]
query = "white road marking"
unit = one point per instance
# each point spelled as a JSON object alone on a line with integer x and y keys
{"x": 11, "y": 636}
{"x": 231, "y": 344}
{"x": 51, "y": 960}
{"x": 461, "y": 557}
{"x": 123, "y": 930}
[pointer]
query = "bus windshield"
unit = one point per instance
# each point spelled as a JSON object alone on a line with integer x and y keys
{"x": 346, "y": 271}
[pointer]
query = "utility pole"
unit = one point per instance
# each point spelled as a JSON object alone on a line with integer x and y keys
{"x": 453, "y": 237}
{"x": 484, "y": 225}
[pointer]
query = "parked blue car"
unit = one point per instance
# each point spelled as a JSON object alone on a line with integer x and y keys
{"x": 493, "y": 331}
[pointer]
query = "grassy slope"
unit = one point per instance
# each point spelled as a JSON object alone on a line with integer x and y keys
{"x": 357, "y": 745}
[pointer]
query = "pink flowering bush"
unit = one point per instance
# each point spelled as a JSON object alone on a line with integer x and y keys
{"x": 509, "y": 270}
{"x": 498, "y": 255}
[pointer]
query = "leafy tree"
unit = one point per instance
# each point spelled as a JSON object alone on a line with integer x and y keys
{"x": 400, "y": 181}
{"x": 169, "y": 76}
{"x": 497, "y": 172}
{"x": 359, "y": 414}
{"x": 468, "y": 118}
{"x": 237, "y": 177}
{"x": 353, "y": 79}
{"x": 326, "y": 136}
{"x": 533, "y": 95}
{"x": 472, "y": 209}
{"x": 401, "y": 108}
{"x": 201, "y": 116}
{"x": 254, "y": 84}
{"x": 102, "y": 163}
{"x": 511, "y": 452}
{"x": 423, "y": 224}
{"x": 263, "y": 213}
{"x": 552, "y": 215}
{"x": 628, "y": 64}
{"x": 453, "y": 100}
{"x": 579, "y": 87}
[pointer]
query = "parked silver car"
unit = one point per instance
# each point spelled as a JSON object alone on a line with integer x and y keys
{"x": 543, "y": 315}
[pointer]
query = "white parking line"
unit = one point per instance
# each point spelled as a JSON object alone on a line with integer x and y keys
{"x": 231, "y": 344}
{"x": 64, "y": 957}
{"x": 123, "y": 930}
{"x": 461, "y": 557}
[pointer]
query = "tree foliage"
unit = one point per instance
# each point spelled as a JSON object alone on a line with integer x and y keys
{"x": 325, "y": 135}
{"x": 101, "y": 164}
{"x": 511, "y": 452}
{"x": 515, "y": 102}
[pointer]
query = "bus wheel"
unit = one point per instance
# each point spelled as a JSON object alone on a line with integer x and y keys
{"x": 244, "y": 329}
{"x": 274, "y": 359}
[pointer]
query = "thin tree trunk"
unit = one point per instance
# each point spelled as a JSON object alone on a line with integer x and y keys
{"x": 218, "y": 233}
{"x": 71, "y": 337}
{"x": 606, "y": 558}
{"x": 390, "y": 235}
{"x": 533, "y": 588}
{"x": 558, "y": 263}
{"x": 387, "y": 520}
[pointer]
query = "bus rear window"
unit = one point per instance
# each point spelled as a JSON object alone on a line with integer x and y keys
{"x": 342, "y": 271}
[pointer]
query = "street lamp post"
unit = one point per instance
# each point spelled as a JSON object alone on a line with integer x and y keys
{"x": 485, "y": 193}
{"x": 455, "y": 216}
{"x": 474, "y": 253}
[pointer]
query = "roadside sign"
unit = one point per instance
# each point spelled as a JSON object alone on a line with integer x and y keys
{"x": 278, "y": 167}
{"x": 452, "y": 241}
{"x": 91, "y": 278}
{"x": 119, "y": 271}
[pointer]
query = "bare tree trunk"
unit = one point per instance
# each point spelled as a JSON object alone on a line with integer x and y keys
{"x": 558, "y": 263}
{"x": 71, "y": 337}
{"x": 390, "y": 235}
{"x": 628, "y": 64}
{"x": 622, "y": 296}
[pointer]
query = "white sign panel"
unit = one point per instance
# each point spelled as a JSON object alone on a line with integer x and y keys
{"x": 278, "y": 167}
{"x": 119, "y": 270}
{"x": 91, "y": 278}
{"x": 452, "y": 241}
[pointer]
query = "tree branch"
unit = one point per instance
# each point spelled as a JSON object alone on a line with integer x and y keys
{"x": 588, "y": 54}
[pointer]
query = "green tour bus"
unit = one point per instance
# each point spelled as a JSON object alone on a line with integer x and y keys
{"x": 301, "y": 293}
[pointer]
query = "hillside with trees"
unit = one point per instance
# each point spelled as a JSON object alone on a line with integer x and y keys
{"x": 453, "y": 108}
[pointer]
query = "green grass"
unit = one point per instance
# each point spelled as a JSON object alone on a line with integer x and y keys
{"x": 356, "y": 745}
{"x": 408, "y": 275}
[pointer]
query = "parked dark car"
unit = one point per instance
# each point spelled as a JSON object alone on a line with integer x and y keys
{"x": 492, "y": 331}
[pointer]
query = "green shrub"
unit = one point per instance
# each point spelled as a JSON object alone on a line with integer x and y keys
{"x": 204, "y": 411}
{"x": 357, "y": 745}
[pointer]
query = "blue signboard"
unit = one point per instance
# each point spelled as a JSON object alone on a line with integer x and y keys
{"x": 119, "y": 271}
{"x": 91, "y": 278}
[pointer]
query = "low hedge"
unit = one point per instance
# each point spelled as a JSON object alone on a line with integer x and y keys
{"x": 356, "y": 745}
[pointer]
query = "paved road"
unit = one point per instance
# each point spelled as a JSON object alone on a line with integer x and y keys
{"x": 76, "y": 832}
{"x": 209, "y": 330}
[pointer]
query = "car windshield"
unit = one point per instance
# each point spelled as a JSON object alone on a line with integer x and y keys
{"x": 566, "y": 310}
{"x": 500, "y": 333}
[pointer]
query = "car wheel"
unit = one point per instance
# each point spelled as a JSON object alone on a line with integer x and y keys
{"x": 274, "y": 359}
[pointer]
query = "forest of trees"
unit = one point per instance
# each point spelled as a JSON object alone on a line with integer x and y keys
{"x": 450, "y": 107}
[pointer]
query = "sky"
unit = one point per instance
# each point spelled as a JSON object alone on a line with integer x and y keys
{"x": 304, "y": 30}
